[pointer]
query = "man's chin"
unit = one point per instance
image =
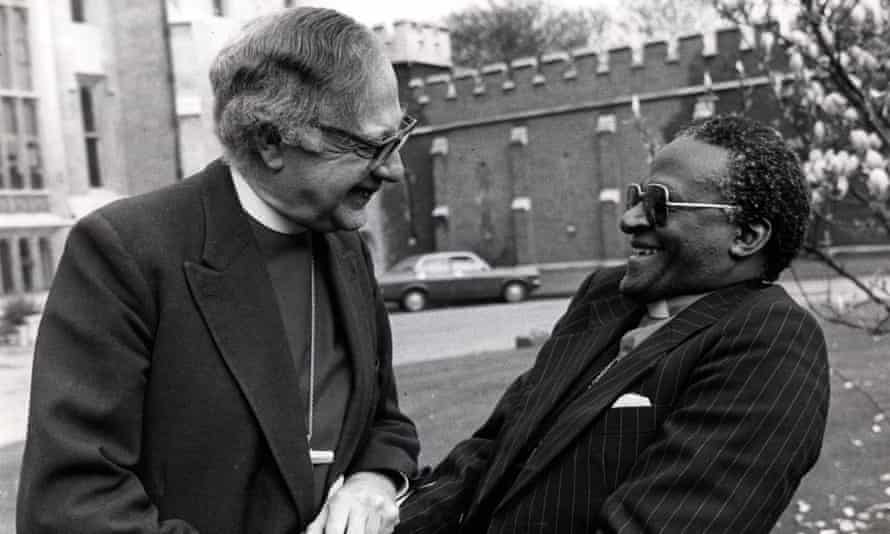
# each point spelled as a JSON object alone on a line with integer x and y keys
{"x": 632, "y": 287}
{"x": 350, "y": 221}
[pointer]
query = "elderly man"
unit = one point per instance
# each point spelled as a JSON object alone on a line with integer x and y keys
{"x": 214, "y": 356}
{"x": 684, "y": 392}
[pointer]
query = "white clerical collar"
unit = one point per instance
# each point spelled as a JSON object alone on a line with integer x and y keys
{"x": 259, "y": 210}
{"x": 665, "y": 308}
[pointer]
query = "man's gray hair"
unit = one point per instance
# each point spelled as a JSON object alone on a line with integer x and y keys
{"x": 285, "y": 72}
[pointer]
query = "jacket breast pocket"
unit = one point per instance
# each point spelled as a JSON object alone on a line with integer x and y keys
{"x": 629, "y": 420}
{"x": 622, "y": 435}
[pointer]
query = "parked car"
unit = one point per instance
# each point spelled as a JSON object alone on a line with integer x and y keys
{"x": 449, "y": 277}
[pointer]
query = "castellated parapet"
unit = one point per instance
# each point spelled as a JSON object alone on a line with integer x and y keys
{"x": 412, "y": 42}
{"x": 655, "y": 70}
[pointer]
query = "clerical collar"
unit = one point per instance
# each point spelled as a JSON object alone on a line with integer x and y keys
{"x": 665, "y": 308}
{"x": 259, "y": 210}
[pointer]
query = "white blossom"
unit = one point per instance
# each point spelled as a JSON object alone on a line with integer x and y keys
{"x": 819, "y": 131}
{"x": 874, "y": 141}
{"x": 834, "y": 103}
{"x": 859, "y": 139}
{"x": 873, "y": 160}
{"x": 796, "y": 62}
{"x": 858, "y": 14}
{"x": 800, "y": 38}
{"x": 852, "y": 165}
{"x": 841, "y": 186}
{"x": 878, "y": 183}
{"x": 767, "y": 40}
{"x": 851, "y": 114}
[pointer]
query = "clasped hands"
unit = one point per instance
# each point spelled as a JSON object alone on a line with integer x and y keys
{"x": 363, "y": 504}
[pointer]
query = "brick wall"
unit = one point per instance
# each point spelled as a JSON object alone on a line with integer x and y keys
{"x": 527, "y": 162}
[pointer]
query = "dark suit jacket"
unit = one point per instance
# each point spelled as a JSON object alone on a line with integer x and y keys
{"x": 164, "y": 395}
{"x": 738, "y": 383}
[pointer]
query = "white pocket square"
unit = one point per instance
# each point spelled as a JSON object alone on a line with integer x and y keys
{"x": 632, "y": 400}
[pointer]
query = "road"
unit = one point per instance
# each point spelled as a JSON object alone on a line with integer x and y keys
{"x": 450, "y": 332}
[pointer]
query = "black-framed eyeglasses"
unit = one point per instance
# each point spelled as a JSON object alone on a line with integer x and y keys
{"x": 657, "y": 201}
{"x": 376, "y": 150}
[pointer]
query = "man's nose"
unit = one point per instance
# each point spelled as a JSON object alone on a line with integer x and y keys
{"x": 391, "y": 169}
{"x": 634, "y": 219}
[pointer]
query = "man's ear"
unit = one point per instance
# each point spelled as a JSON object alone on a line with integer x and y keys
{"x": 269, "y": 148}
{"x": 751, "y": 238}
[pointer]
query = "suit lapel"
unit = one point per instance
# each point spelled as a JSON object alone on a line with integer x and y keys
{"x": 355, "y": 318}
{"x": 563, "y": 358}
{"x": 582, "y": 411}
{"x": 235, "y": 296}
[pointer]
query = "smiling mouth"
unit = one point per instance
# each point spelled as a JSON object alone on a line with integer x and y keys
{"x": 639, "y": 252}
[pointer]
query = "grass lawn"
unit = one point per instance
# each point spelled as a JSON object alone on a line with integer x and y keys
{"x": 847, "y": 491}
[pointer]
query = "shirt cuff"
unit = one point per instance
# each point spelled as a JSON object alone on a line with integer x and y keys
{"x": 398, "y": 479}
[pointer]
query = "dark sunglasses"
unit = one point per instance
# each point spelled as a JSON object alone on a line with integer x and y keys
{"x": 657, "y": 200}
{"x": 376, "y": 150}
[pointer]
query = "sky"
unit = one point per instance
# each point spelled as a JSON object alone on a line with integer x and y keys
{"x": 372, "y": 12}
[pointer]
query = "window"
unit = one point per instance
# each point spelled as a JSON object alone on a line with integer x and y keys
{"x": 46, "y": 260}
{"x": 21, "y": 162}
{"x": 5, "y": 52}
{"x": 78, "y": 13}
{"x": 6, "y": 267}
{"x": 27, "y": 262}
{"x": 218, "y": 10}
{"x": 465, "y": 264}
{"x": 436, "y": 266}
{"x": 21, "y": 48}
{"x": 91, "y": 136}
{"x": 288, "y": 3}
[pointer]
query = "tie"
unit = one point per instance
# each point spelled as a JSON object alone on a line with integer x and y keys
{"x": 656, "y": 315}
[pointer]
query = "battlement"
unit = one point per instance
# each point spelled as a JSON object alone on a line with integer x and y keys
{"x": 412, "y": 42}
{"x": 588, "y": 74}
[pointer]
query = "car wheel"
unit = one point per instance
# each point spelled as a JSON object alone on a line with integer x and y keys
{"x": 515, "y": 292}
{"x": 414, "y": 300}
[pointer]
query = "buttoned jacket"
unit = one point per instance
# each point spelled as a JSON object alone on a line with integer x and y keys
{"x": 735, "y": 396}
{"x": 164, "y": 396}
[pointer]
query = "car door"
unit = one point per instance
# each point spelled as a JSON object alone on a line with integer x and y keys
{"x": 435, "y": 273}
{"x": 471, "y": 279}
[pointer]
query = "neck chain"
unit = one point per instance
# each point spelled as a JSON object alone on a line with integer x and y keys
{"x": 316, "y": 456}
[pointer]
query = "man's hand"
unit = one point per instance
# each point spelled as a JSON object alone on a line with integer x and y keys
{"x": 365, "y": 504}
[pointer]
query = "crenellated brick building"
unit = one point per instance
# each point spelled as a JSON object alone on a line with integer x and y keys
{"x": 527, "y": 162}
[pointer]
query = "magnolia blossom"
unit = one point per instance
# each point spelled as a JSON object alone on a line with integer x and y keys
{"x": 814, "y": 170}
{"x": 842, "y": 163}
{"x": 878, "y": 183}
{"x": 841, "y": 186}
{"x": 858, "y": 15}
{"x": 834, "y": 103}
{"x": 767, "y": 40}
{"x": 796, "y": 62}
{"x": 859, "y": 139}
{"x": 873, "y": 160}
{"x": 874, "y": 141}
{"x": 800, "y": 38}
{"x": 817, "y": 196}
{"x": 819, "y": 131}
{"x": 851, "y": 114}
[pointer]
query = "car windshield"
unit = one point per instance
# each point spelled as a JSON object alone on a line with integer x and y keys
{"x": 405, "y": 264}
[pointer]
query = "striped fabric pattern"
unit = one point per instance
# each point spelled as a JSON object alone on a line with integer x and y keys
{"x": 738, "y": 384}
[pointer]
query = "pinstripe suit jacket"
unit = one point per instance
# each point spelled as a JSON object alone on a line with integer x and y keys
{"x": 739, "y": 388}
